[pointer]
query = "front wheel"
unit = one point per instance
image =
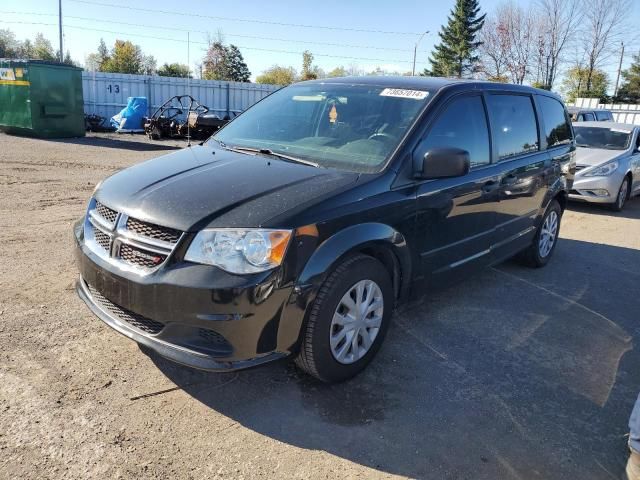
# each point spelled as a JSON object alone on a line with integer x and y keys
{"x": 623, "y": 194}
{"x": 544, "y": 243}
{"x": 348, "y": 320}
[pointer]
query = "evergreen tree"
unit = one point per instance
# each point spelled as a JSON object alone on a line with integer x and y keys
{"x": 630, "y": 89}
{"x": 236, "y": 66}
{"x": 455, "y": 55}
{"x": 225, "y": 63}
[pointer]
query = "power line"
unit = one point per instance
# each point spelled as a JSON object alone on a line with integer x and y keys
{"x": 185, "y": 29}
{"x": 205, "y": 43}
{"x": 246, "y": 20}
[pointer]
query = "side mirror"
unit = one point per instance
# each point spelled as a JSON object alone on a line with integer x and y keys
{"x": 442, "y": 162}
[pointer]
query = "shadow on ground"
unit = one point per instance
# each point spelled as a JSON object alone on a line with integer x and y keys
{"x": 517, "y": 373}
{"x": 631, "y": 209}
{"x": 126, "y": 142}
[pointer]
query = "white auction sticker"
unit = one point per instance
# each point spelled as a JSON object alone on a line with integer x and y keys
{"x": 402, "y": 93}
{"x": 7, "y": 74}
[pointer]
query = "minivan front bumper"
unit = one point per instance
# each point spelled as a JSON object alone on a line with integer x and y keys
{"x": 195, "y": 315}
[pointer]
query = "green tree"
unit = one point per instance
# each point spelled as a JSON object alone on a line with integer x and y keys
{"x": 630, "y": 89}
{"x": 277, "y": 75}
{"x": 126, "y": 57}
{"x": 174, "y": 70}
{"x": 575, "y": 84}
{"x": 223, "y": 62}
{"x": 455, "y": 55}
{"x": 68, "y": 60}
{"x": 236, "y": 66}
{"x": 25, "y": 50}
{"x": 9, "y": 46}
{"x": 42, "y": 48}
{"x": 309, "y": 71}
{"x": 338, "y": 72}
{"x": 94, "y": 61}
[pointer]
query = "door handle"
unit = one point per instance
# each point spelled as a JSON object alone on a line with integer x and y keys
{"x": 490, "y": 186}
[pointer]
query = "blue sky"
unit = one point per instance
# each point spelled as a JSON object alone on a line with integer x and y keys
{"x": 391, "y": 51}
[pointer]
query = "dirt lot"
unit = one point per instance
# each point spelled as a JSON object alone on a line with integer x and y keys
{"x": 516, "y": 373}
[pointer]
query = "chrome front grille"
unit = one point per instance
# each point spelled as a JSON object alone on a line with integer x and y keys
{"x": 164, "y": 234}
{"x": 127, "y": 242}
{"x": 102, "y": 239}
{"x": 106, "y": 213}
{"x": 137, "y": 256}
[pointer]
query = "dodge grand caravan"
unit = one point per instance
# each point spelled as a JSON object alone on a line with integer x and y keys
{"x": 297, "y": 228}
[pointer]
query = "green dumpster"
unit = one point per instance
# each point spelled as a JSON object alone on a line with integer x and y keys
{"x": 41, "y": 99}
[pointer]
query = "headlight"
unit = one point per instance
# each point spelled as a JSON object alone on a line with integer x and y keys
{"x": 239, "y": 250}
{"x": 603, "y": 170}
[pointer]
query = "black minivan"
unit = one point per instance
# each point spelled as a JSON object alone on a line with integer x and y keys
{"x": 297, "y": 228}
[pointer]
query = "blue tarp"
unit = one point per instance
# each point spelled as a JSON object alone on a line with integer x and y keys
{"x": 131, "y": 118}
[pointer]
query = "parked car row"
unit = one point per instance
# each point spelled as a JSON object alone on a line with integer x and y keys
{"x": 298, "y": 227}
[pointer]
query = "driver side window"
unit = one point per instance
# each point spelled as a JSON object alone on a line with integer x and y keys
{"x": 463, "y": 125}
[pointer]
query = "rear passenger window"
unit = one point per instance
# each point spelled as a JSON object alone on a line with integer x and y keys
{"x": 514, "y": 124}
{"x": 604, "y": 116}
{"x": 463, "y": 125}
{"x": 588, "y": 117}
{"x": 556, "y": 124}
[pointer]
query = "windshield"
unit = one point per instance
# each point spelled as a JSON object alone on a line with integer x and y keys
{"x": 602, "y": 137}
{"x": 350, "y": 127}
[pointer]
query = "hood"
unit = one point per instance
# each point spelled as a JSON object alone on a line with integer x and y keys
{"x": 595, "y": 156}
{"x": 191, "y": 188}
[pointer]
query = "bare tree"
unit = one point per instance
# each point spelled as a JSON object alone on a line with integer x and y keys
{"x": 508, "y": 47}
{"x": 606, "y": 24}
{"x": 557, "y": 25}
{"x": 521, "y": 28}
{"x": 494, "y": 50}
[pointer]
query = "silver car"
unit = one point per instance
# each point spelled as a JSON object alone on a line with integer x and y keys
{"x": 607, "y": 163}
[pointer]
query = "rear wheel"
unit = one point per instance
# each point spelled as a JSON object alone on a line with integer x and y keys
{"x": 348, "y": 320}
{"x": 623, "y": 195}
{"x": 544, "y": 243}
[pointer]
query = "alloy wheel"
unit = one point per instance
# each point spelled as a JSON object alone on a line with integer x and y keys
{"x": 548, "y": 234}
{"x": 356, "y": 321}
{"x": 622, "y": 193}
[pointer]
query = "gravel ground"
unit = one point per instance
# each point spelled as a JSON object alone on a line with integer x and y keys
{"x": 516, "y": 373}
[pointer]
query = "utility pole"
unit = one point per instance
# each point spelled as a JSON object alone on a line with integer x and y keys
{"x": 615, "y": 92}
{"x": 415, "y": 53}
{"x": 60, "y": 29}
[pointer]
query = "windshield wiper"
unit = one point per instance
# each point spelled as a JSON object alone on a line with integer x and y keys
{"x": 283, "y": 156}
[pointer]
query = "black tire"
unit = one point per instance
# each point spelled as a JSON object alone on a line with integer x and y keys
{"x": 532, "y": 256}
{"x": 622, "y": 196}
{"x": 316, "y": 357}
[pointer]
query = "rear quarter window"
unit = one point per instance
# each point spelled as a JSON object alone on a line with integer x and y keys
{"x": 557, "y": 127}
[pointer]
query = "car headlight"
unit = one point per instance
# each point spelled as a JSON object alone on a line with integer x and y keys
{"x": 239, "y": 250}
{"x": 603, "y": 170}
